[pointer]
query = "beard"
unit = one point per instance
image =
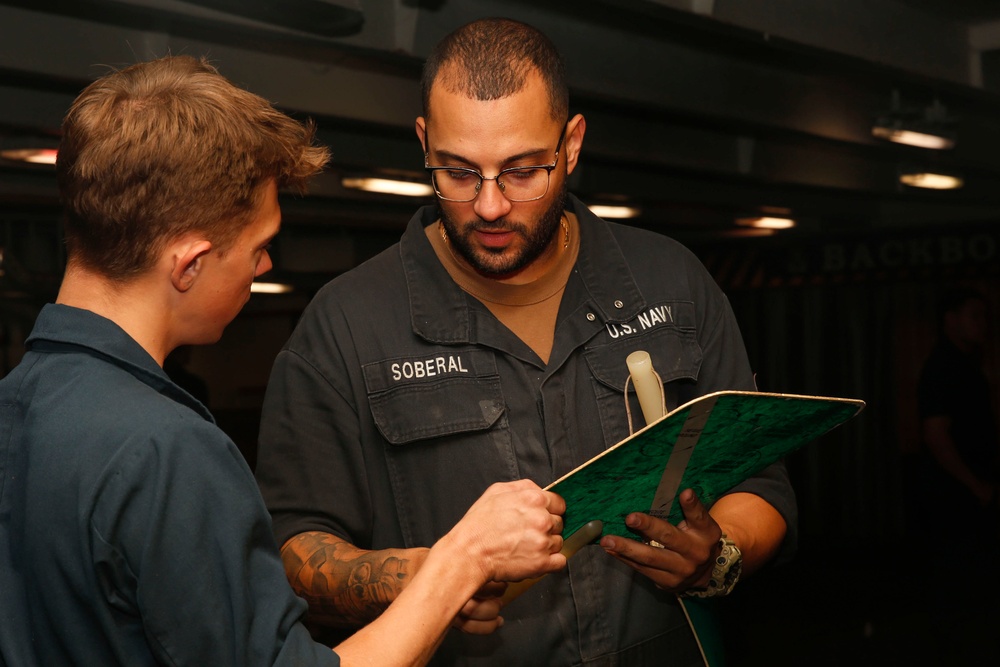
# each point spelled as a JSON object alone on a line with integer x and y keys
{"x": 503, "y": 262}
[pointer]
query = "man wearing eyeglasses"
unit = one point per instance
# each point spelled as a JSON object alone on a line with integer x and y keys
{"x": 490, "y": 344}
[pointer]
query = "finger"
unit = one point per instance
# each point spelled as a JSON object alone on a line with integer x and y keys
{"x": 642, "y": 555}
{"x": 491, "y": 589}
{"x": 695, "y": 513}
{"x": 657, "y": 567}
{"x": 472, "y": 627}
{"x": 557, "y": 525}
{"x": 555, "y": 503}
{"x": 556, "y": 544}
{"x": 510, "y": 487}
{"x": 684, "y": 553}
{"x": 480, "y": 610}
{"x": 655, "y": 529}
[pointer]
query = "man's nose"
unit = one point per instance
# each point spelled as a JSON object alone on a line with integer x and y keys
{"x": 491, "y": 204}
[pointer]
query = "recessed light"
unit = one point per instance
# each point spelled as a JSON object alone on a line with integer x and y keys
{"x": 388, "y": 186}
{"x": 928, "y": 127}
{"x": 33, "y": 155}
{"x": 614, "y": 211}
{"x": 914, "y": 138}
{"x": 270, "y": 288}
{"x": 766, "y": 222}
{"x": 931, "y": 180}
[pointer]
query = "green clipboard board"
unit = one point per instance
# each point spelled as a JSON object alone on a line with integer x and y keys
{"x": 737, "y": 434}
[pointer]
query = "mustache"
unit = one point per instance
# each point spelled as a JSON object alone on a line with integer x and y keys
{"x": 500, "y": 224}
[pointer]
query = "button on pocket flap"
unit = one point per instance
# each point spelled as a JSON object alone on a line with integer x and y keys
{"x": 428, "y": 397}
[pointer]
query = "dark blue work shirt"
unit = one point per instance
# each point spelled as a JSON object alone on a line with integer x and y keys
{"x": 400, "y": 398}
{"x": 131, "y": 529}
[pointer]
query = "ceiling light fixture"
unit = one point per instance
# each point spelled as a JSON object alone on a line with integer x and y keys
{"x": 388, "y": 186}
{"x": 270, "y": 288}
{"x": 931, "y": 180}
{"x": 766, "y": 222}
{"x": 615, "y": 212}
{"x": 913, "y": 138}
{"x": 929, "y": 128}
{"x": 33, "y": 155}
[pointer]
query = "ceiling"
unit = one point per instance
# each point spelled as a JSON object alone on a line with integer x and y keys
{"x": 699, "y": 111}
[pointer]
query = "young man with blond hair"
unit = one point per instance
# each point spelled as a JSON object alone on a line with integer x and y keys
{"x": 131, "y": 529}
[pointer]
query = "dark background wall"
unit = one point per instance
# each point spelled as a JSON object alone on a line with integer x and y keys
{"x": 863, "y": 334}
{"x": 698, "y": 111}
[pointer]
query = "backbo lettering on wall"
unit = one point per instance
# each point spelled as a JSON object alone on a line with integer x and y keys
{"x": 773, "y": 263}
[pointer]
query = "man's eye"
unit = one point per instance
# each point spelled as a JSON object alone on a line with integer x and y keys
{"x": 522, "y": 174}
{"x": 459, "y": 175}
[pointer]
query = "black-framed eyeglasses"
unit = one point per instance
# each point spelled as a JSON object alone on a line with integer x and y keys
{"x": 517, "y": 184}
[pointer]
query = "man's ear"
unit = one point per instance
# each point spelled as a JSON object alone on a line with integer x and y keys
{"x": 421, "y": 127}
{"x": 187, "y": 260}
{"x": 575, "y": 129}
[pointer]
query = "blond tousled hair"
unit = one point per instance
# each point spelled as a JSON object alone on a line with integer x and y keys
{"x": 166, "y": 147}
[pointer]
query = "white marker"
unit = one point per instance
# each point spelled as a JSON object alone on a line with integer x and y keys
{"x": 647, "y": 386}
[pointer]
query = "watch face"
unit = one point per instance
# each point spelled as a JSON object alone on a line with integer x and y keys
{"x": 725, "y": 573}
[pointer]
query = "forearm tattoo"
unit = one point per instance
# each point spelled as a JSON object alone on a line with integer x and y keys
{"x": 344, "y": 586}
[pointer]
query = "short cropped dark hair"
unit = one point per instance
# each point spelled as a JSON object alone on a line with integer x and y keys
{"x": 165, "y": 147}
{"x": 491, "y": 59}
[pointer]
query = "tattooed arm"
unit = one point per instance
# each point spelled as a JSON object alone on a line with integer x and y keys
{"x": 511, "y": 533}
{"x": 346, "y": 586}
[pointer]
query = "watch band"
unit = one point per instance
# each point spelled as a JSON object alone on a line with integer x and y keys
{"x": 725, "y": 573}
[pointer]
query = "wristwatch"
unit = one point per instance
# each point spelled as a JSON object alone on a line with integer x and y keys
{"x": 725, "y": 572}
